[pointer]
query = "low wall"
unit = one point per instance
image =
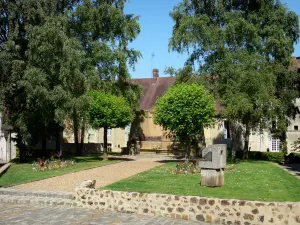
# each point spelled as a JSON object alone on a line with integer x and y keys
{"x": 210, "y": 210}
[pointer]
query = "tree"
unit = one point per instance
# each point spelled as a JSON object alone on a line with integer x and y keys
{"x": 108, "y": 111}
{"x": 185, "y": 110}
{"x": 52, "y": 52}
{"x": 105, "y": 32}
{"x": 244, "y": 49}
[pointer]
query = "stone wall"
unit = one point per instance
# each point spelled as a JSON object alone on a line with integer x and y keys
{"x": 210, "y": 210}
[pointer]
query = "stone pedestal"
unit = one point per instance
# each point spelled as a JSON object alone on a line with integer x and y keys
{"x": 212, "y": 177}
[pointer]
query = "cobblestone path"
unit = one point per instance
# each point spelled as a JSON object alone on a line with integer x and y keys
{"x": 37, "y": 215}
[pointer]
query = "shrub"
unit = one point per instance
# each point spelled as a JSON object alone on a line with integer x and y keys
{"x": 267, "y": 156}
{"x": 293, "y": 157}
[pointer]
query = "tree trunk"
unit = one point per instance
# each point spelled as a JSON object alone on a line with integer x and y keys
{"x": 246, "y": 146}
{"x": 82, "y": 132}
{"x": 75, "y": 129}
{"x": 105, "y": 144}
{"x": 188, "y": 149}
{"x": 57, "y": 138}
{"x": 44, "y": 144}
{"x": 22, "y": 149}
{"x": 233, "y": 155}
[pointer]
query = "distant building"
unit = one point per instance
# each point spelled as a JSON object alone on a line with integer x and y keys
{"x": 7, "y": 145}
{"x": 153, "y": 137}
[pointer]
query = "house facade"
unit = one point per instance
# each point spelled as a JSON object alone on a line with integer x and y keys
{"x": 116, "y": 138}
{"x": 7, "y": 145}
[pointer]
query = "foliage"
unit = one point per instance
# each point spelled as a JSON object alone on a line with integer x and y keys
{"x": 185, "y": 110}
{"x": 293, "y": 157}
{"x": 244, "y": 49}
{"x": 52, "y": 53}
{"x": 48, "y": 164}
{"x": 186, "y": 167}
{"x": 296, "y": 146}
{"x": 277, "y": 157}
{"x": 273, "y": 183}
{"x": 108, "y": 111}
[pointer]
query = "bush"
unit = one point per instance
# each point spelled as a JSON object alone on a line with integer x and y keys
{"x": 293, "y": 157}
{"x": 267, "y": 156}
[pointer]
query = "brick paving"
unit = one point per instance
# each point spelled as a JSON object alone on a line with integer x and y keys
{"x": 37, "y": 215}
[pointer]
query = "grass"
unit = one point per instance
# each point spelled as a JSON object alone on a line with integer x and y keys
{"x": 22, "y": 173}
{"x": 251, "y": 180}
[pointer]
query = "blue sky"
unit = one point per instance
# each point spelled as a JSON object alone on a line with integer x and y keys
{"x": 156, "y": 29}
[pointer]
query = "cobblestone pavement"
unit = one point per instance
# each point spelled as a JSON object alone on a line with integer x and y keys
{"x": 37, "y": 215}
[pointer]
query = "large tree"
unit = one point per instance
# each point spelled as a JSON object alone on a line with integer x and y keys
{"x": 105, "y": 32}
{"x": 52, "y": 52}
{"x": 244, "y": 49}
{"x": 185, "y": 110}
{"x": 108, "y": 111}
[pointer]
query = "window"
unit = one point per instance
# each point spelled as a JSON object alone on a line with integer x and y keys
{"x": 274, "y": 144}
{"x": 109, "y": 132}
{"x": 295, "y": 127}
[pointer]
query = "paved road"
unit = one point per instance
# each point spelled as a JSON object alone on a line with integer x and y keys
{"x": 37, "y": 215}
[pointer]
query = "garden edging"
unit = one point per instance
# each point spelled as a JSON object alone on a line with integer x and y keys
{"x": 195, "y": 208}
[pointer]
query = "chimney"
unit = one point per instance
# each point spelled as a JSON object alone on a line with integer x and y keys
{"x": 155, "y": 73}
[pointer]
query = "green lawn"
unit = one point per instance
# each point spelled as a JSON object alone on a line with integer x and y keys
{"x": 252, "y": 180}
{"x": 21, "y": 173}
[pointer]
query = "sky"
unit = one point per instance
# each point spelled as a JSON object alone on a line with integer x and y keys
{"x": 156, "y": 30}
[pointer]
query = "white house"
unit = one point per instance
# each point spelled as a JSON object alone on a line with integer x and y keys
{"x": 7, "y": 145}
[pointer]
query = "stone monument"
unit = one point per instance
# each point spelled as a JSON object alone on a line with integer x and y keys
{"x": 212, "y": 165}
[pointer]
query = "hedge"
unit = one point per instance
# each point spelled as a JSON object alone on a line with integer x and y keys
{"x": 277, "y": 157}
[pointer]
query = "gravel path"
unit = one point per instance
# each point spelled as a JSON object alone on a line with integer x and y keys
{"x": 103, "y": 175}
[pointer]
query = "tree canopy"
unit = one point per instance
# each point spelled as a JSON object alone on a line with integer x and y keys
{"x": 108, "y": 111}
{"x": 185, "y": 110}
{"x": 52, "y": 52}
{"x": 243, "y": 49}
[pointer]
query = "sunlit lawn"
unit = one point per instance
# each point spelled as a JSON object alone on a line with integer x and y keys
{"x": 21, "y": 173}
{"x": 252, "y": 180}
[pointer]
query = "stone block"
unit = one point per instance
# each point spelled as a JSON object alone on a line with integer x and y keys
{"x": 212, "y": 178}
{"x": 213, "y": 157}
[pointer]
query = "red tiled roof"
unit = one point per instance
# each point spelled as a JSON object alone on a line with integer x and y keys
{"x": 153, "y": 88}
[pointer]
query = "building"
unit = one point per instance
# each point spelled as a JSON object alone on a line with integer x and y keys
{"x": 7, "y": 145}
{"x": 152, "y": 137}
{"x": 116, "y": 138}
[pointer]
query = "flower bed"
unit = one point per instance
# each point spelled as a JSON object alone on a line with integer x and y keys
{"x": 186, "y": 168}
{"x": 48, "y": 164}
